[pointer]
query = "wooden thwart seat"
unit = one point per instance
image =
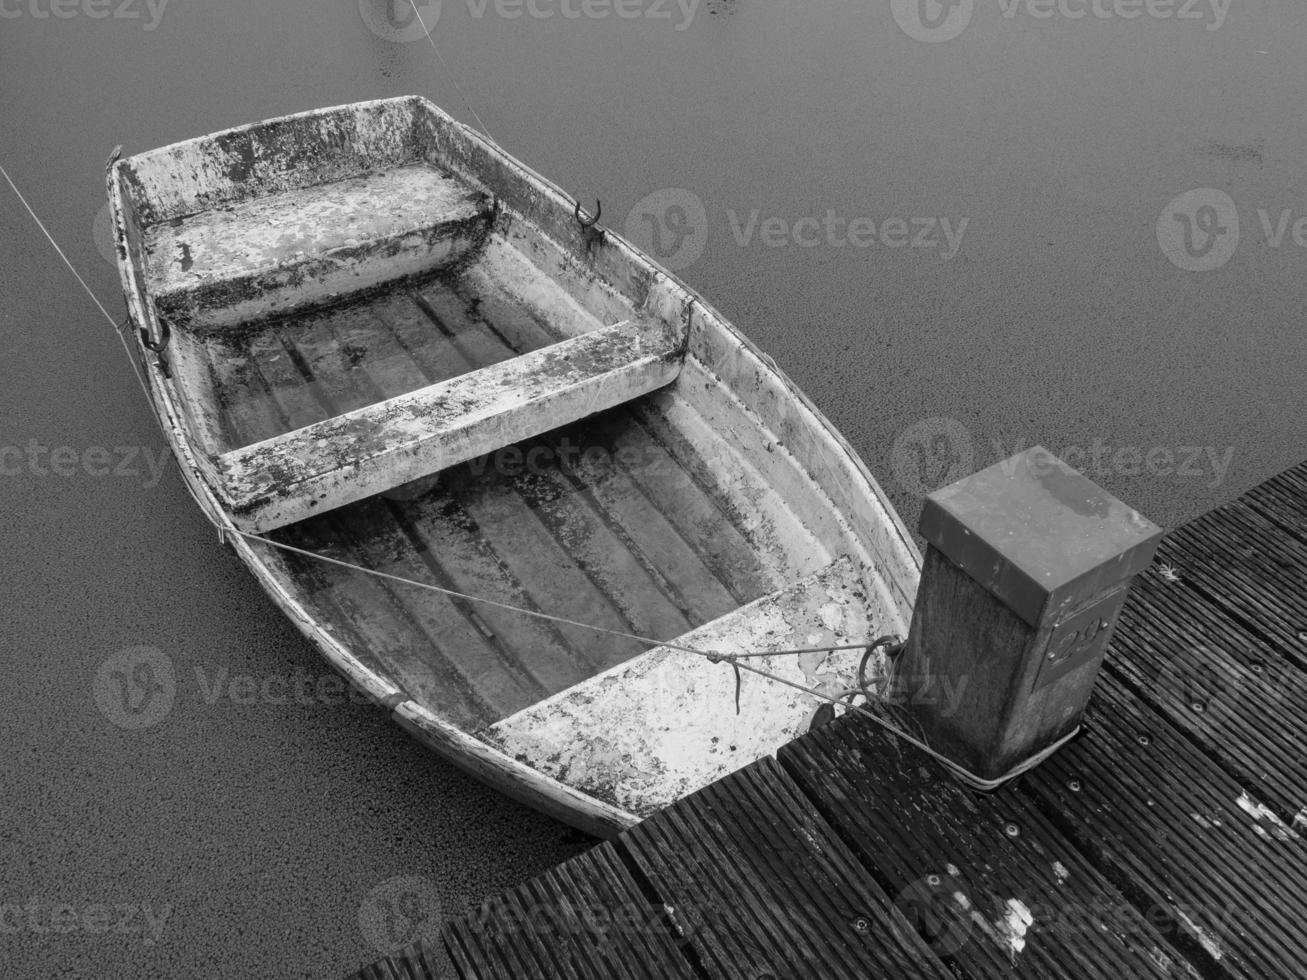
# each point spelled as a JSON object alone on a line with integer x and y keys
{"x": 382, "y": 446}
{"x": 271, "y": 255}
{"x": 660, "y": 726}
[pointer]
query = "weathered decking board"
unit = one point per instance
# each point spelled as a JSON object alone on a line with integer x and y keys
{"x": 1180, "y": 837}
{"x": 584, "y": 920}
{"x": 1168, "y": 840}
{"x": 1251, "y": 567}
{"x": 420, "y": 963}
{"x": 996, "y": 888}
{"x": 1283, "y": 500}
{"x": 1229, "y": 690}
{"x": 769, "y": 889}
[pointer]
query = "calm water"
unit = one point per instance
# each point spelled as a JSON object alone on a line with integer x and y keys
{"x": 953, "y": 247}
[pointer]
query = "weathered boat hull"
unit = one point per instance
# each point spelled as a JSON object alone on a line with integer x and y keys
{"x": 703, "y": 496}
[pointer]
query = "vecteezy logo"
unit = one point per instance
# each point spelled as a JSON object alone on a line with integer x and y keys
{"x": 937, "y": 906}
{"x": 135, "y": 688}
{"x": 400, "y": 21}
{"x": 932, "y": 21}
{"x": 399, "y": 912}
{"x": 1199, "y": 230}
{"x": 671, "y": 225}
{"x": 931, "y": 454}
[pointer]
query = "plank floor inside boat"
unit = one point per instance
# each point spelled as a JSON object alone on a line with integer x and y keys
{"x": 597, "y": 522}
{"x": 579, "y": 524}
{"x": 302, "y": 369}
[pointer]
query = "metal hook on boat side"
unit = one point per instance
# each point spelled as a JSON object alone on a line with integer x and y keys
{"x": 593, "y": 235}
{"x": 158, "y": 346}
{"x": 587, "y": 225}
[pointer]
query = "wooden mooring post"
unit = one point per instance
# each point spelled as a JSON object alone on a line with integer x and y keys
{"x": 1027, "y": 566}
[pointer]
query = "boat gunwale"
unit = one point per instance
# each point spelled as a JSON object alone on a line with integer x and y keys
{"x": 504, "y": 773}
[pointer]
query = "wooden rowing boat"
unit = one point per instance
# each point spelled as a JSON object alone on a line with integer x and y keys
{"x": 373, "y": 336}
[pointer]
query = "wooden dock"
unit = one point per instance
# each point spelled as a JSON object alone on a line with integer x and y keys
{"x": 1163, "y": 842}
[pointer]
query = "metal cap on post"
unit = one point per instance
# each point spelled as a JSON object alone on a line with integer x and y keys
{"x": 1027, "y": 567}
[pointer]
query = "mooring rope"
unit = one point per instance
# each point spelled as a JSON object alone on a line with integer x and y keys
{"x": 140, "y": 379}
{"x": 738, "y": 661}
{"x": 452, "y": 77}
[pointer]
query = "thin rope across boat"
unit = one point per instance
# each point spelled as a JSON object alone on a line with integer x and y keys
{"x": 523, "y": 610}
{"x": 736, "y": 660}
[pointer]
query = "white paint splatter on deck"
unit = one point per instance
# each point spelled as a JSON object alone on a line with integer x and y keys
{"x": 1213, "y": 948}
{"x": 1012, "y": 929}
{"x": 1268, "y": 825}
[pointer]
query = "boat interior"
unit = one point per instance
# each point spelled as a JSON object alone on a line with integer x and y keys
{"x": 391, "y": 347}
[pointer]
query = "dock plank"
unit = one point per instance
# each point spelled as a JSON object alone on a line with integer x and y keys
{"x": 1180, "y": 837}
{"x": 1224, "y": 687}
{"x": 769, "y": 889}
{"x": 993, "y": 887}
{"x": 584, "y": 920}
{"x": 420, "y": 962}
{"x": 1246, "y": 564}
{"x": 1283, "y": 501}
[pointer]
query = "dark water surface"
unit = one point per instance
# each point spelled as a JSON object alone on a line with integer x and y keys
{"x": 766, "y": 144}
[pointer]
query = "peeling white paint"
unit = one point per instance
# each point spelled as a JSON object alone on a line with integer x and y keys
{"x": 1300, "y": 821}
{"x": 1012, "y": 929}
{"x": 1212, "y": 947}
{"x": 953, "y": 870}
{"x": 1277, "y": 829}
{"x": 1062, "y": 873}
